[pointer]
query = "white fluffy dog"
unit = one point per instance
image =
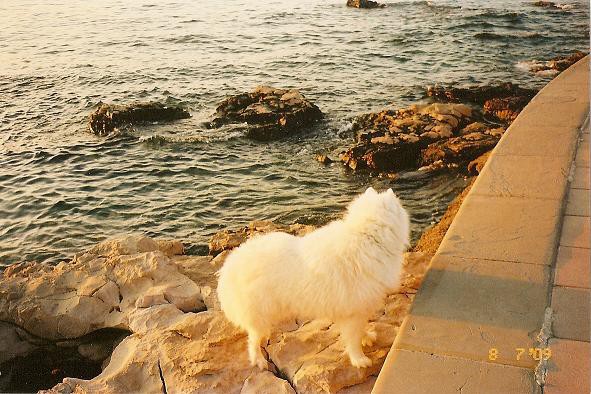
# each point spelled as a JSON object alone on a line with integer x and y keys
{"x": 340, "y": 272}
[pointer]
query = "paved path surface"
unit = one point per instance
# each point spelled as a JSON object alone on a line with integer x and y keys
{"x": 518, "y": 245}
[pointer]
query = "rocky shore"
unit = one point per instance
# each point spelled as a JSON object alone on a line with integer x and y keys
{"x": 462, "y": 125}
{"x": 163, "y": 301}
{"x": 136, "y": 314}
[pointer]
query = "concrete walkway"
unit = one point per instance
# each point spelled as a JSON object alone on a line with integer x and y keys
{"x": 518, "y": 245}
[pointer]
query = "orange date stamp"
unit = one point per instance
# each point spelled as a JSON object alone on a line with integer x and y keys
{"x": 534, "y": 353}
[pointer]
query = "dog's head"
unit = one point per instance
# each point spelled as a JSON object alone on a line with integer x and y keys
{"x": 380, "y": 210}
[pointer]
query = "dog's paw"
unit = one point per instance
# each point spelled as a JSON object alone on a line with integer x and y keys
{"x": 260, "y": 362}
{"x": 370, "y": 337}
{"x": 361, "y": 362}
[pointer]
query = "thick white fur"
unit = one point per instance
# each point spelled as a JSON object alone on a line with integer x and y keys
{"x": 340, "y": 272}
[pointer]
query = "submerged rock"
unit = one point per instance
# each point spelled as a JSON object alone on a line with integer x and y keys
{"x": 364, "y": 4}
{"x": 429, "y": 136}
{"x": 551, "y": 5}
{"x": 269, "y": 112}
{"x": 109, "y": 117}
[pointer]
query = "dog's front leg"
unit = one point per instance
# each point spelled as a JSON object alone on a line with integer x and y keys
{"x": 255, "y": 353}
{"x": 352, "y": 332}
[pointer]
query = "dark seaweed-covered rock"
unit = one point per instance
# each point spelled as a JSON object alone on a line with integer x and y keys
{"x": 547, "y": 4}
{"x": 108, "y": 117}
{"x": 503, "y": 101}
{"x": 269, "y": 112}
{"x": 430, "y": 137}
{"x": 364, "y": 4}
{"x": 479, "y": 94}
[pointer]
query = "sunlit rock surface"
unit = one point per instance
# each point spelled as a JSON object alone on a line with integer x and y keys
{"x": 179, "y": 339}
{"x": 426, "y": 137}
{"x": 269, "y": 112}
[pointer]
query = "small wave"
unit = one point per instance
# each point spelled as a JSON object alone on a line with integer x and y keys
{"x": 189, "y": 39}
{"x": 159, "y": 139}
{"x": 566, "y": 7}
{"x": 500, "y": 36}
{"x": 443, "y": 6}
{"x": 427, "y": 3}
{"x": 475, "y": 24}
{"x": 533, "y": 65}
{"x": 510, "y": 16}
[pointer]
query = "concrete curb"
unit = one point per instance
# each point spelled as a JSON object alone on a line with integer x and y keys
{"x": 486, "y": 290}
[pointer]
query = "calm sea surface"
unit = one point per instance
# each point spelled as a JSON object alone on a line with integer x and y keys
{"x": 62, "y": 188}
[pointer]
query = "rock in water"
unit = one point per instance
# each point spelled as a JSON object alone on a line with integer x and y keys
{"x": 476, "y": 165}
{"x": 547, "y": 4}
{"x": 109, "y": 117}
{"x": 364, "y": 4}
{"x": 434, "y": 136}
{"x": 555, "y": 65}
{"x": 324, "y": 159}
{"x": 269, "y": 112}
{"x": 503, "y": 101}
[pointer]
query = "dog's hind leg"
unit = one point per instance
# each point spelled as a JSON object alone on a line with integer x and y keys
{"x": 352, "y": 331}
{"x": 255, "y": 353}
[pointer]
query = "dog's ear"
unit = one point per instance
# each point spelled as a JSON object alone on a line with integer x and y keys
{"x": 370, "y": 190}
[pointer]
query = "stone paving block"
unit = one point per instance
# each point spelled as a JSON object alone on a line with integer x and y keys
{"x": 504, "y": 228}
{"x": 566, "y": 114}
{"x": 530, "y": 140}
{"x": 467, "y": 307}
{"x": 524, "y": 176}
{"x": 419, "y": 373}
{"x": 572, "y": 267}
{"x": 581, "y": 178}
{"x": 582, "y": 158}
{"x": 578, "y": 202}
{"x": 575, "y": 232}
{"x": 568, "y": 368}
{"x": 571, "y": 313}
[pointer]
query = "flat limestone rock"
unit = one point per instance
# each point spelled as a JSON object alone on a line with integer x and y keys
{"x": 109, "y": 117}
{"x": 229, "y": 239}
{"x": 269, "y": 112}
{"x": 180, "y": 341}
{"x": 100, "y": 288}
